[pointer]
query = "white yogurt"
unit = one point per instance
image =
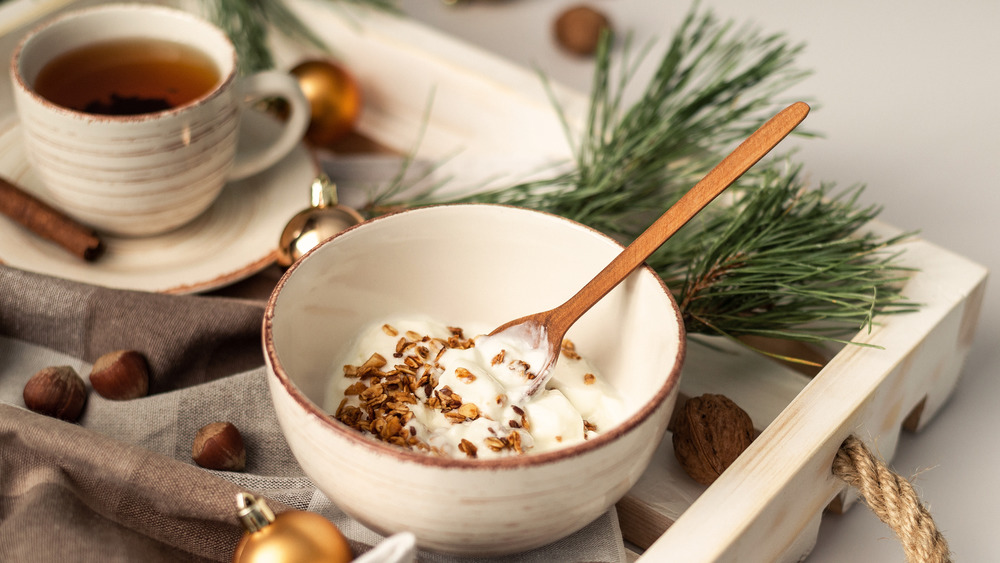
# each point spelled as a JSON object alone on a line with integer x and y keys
{"x": 469, "y": 409}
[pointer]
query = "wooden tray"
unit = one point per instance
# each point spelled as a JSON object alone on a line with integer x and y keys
{"x": 482, "y": 117}
{"x": 769, "y": 504}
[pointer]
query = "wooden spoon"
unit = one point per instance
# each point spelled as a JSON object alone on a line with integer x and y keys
{"x": 547, "y": 329}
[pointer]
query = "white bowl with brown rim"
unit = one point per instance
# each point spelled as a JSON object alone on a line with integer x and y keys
{"x": 470, "y": 264}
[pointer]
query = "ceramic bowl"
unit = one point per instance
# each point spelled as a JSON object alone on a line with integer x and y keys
{"x": 469, "y": 264}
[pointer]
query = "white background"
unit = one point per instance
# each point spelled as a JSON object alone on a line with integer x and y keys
{"x": 906, "y": 97}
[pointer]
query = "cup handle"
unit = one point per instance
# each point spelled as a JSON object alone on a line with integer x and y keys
{"x": 262, "y": 85}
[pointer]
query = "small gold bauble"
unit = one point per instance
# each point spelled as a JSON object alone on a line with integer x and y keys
{"x": 334, "y": 97}
{"x": 309, "y": 227}
{"x": 295, "y": 536}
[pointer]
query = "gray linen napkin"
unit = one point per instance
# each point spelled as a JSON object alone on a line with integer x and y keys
{"x": 120, "y": 485}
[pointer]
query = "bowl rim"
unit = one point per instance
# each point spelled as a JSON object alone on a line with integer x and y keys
{"x": 671, "y": 383}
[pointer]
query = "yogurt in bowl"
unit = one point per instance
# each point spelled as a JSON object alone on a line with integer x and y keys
{"x": 427, "y": 387}
{"x": 475, "y": 267}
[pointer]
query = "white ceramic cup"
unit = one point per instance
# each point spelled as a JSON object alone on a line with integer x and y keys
{"x": 148, "y": 173}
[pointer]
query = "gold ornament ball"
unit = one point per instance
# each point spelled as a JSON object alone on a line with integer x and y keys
{"x": 334, "y": 97}
{"x": 294, "y": 537}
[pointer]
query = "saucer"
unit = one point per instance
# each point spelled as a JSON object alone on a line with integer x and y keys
{"x": 234, "y": 239}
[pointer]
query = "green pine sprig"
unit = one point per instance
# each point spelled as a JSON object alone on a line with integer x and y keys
{"x": 713, "y": 87}
{"x": 781, "y": 260}
{"x": 784, "y": 261}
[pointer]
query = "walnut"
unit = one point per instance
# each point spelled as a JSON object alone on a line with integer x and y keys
{"x": 710, "y": 432}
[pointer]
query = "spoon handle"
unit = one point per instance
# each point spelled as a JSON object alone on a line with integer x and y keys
{"x": 714, "y": 183}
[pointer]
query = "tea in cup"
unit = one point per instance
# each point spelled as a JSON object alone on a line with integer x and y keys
{"x": 131, "y": 113}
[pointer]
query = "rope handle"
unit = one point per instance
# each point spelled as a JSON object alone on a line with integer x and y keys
{"x": 892, "y": 498}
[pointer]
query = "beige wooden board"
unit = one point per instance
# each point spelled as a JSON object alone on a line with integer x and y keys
{"x": 480, "y": 119}
{"x": 14, "y": 15}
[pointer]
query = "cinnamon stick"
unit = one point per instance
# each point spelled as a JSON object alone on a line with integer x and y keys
{"x": 48, "y": 222}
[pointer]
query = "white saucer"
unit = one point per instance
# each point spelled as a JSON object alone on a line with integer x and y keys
{"x": 235, "y": 238}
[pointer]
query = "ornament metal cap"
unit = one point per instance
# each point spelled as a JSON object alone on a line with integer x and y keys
{"x": 323, "y": 192}
{"x": 254, "y": 513}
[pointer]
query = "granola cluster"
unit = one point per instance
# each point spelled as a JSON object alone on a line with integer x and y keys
{"x": 386, "y": 394}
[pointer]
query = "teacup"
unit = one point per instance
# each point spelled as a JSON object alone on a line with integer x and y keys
{"x": 136, "y": 162}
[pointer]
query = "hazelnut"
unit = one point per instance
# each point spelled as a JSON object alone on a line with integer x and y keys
{"x": 219, "y": 445}
{"x": 578, "y": 29}
{"x": 710, "y": 432}
{"x": 56, "y": 391}
{"x": 120, "y": 375}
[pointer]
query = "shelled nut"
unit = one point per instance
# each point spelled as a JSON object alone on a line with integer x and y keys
{"x": 219, "y": 445}
{"x": 56, "y": 391}
{"x": 120, "y": 375}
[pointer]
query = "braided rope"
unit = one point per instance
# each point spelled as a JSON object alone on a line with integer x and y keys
{"x": 893, "y": 500}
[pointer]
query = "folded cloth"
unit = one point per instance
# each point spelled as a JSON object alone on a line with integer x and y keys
{"x": 120, "y": 485}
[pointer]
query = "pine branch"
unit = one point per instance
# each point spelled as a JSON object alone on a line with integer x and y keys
{"x": 713, "y": 86}
{"x": 784, "y": 261}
